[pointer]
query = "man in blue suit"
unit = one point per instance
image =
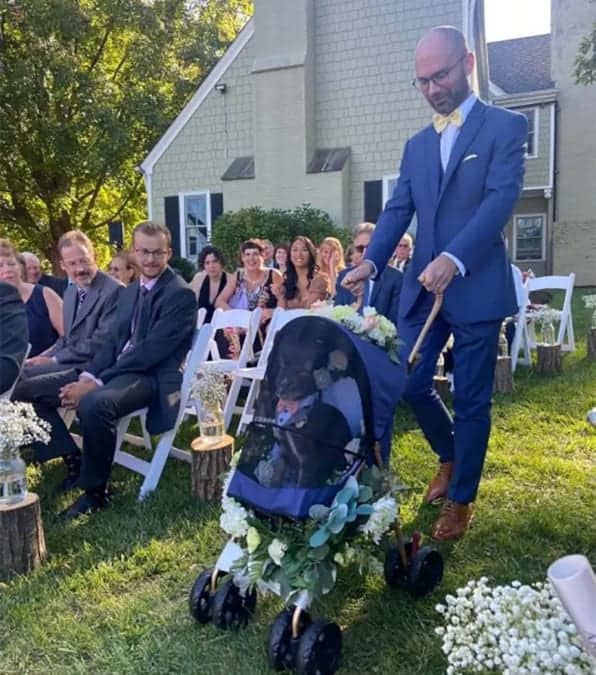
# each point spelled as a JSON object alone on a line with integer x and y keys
{"x": 462, "y": 176}
{"x": 382, "y": 294}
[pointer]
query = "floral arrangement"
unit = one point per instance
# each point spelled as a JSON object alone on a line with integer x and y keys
{"x": 20, "y": 426}
{"x": 294, "y": 557}
{"x": 589, "y": 301}
{"x": 544, "y": 314}
{"x": 511, "y": 629}
{"x": 370, "y": 325}
{"x": 210, "y": 386}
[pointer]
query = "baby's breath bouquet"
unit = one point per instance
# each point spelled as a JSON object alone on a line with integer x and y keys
{"x": 590, "y": 303}
{"x": 19, "y": 426}
{"x": 514, "y": 630}
{"x": 210, "y": 391}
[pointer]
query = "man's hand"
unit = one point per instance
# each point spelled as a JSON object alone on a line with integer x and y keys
{"x": 71, "y": 394}
{"x": 355, "y": 278}
{"x": 39, "y": 360}
{"x": 437, "y": 275}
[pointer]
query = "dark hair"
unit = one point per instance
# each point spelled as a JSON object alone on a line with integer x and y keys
{"x": 283, "y": 247}
{"x": 251, "y": 243}
{"x": 210, "y": 250}
{"x": 291, "y": 276}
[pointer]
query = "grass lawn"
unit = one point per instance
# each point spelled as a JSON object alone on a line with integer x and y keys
{"x": 113, "y": 596}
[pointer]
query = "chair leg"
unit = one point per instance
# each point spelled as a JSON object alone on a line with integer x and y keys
{"x": 249, "y": 405}
{"x": 231, "y": 401}
{"x": 157, "y": 464}
{"x": 146, "y": 435}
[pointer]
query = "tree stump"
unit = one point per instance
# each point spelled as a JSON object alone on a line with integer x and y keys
{"x": 591, "y": 340}
{"x": 210, "y": 460}
{"x": 503, "y": 376}
{"x": 550, "y": 360}
{"x": 22, "y": 540}
{"x": 441, "y": 385}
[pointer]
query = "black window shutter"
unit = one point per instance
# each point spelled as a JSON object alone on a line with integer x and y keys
{"x": 373, "y": 200}
{"x": 172, "y": 212}
{"x": 216, "y": 206}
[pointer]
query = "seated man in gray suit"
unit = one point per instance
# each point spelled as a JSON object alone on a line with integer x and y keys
{"x": 137, "y": 366}
{"x": 89, "y": 309}
{"x": 382, "y": 294}
{"x": 13, "y": 335}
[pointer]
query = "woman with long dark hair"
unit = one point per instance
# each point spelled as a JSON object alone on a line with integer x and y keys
{"x": 303, "y": 284}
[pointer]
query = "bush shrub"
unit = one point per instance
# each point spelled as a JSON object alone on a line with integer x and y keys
{"x": 277, "y": 225}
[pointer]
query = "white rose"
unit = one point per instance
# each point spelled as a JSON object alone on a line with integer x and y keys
{"x": 276, "y": 551}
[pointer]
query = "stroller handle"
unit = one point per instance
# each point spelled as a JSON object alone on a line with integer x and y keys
{"x": 414, "y": 355}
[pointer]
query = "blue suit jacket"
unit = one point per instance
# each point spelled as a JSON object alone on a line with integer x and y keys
{"x": 462, "y": 213}
{"x": 385, "y": 293}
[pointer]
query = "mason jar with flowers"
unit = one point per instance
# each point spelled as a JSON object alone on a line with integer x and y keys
{"x": 19, "y": 427}
{"x": 209, "y": 390}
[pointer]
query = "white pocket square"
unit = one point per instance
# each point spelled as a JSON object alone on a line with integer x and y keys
{"x": 465, "y": 159}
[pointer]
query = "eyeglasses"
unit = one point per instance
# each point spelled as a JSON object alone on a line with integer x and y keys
{"x": 403, "y": 246}
{"x": 144, "y": 253}
{"x": 440, "y": 78}
{"x": 359, "y": 248}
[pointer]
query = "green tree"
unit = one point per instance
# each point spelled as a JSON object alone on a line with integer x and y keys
{"x": 585, "y": 61}
{"x": 87, "y": 87}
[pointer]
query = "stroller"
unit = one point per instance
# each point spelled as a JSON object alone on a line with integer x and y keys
{"x": 324, "y": 413}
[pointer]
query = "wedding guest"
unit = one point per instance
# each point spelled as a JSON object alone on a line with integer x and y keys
{"x": 383, "y": 293}
{"x": 268, "y": 253}
{"x": 280, "y": 258}
{"x": 303, "y": 284}
{"x": 35, "y": 275}
{"x": 210, "y": 280}
{"x": 252, "y": 285}
{"x": 403, "y": 253}
{"x": 14, "y": 335}
{"x": 331, "y": 259}
{"x": 460, "y": 254}
{"x": 88, "y": 312}
{"x": 138, "y": 366}
{"x": 43, "y": 306}
{"x": 124, "y": 268}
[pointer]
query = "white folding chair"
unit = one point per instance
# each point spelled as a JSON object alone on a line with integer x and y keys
{"x": 201, "y": 314}
{"x": 8, "y": 393}
{"x": 152, "y": 469}
{"x": 566, "y": 336}
{"x": 520, "y": 336}
{"x": 247, "y": 321}
{"x": 255, "y": 374}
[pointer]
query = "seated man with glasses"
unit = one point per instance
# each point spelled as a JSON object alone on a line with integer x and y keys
{"x": 382, "y": 294}
{"x": 137, "y": 366}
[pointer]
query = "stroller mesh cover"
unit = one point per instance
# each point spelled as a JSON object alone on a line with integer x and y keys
{"x": 313, "y": 421}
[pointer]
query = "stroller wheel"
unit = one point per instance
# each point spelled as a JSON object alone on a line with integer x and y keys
{"x": 319, "y": 649}
{"x": 426, "y": 571}
{"x": 230, "y": 608}
{"x": 200, "y": 598}
{"x": 281, "y": 646}
{"x": 396, "y": 575}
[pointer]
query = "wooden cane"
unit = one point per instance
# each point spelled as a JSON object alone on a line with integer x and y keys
{"x": 414, "y": 356}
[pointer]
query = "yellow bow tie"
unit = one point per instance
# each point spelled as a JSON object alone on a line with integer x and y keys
{"x": 441, "y": 122}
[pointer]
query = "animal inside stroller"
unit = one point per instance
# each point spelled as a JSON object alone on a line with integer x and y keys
{"x": 305, "y": 486}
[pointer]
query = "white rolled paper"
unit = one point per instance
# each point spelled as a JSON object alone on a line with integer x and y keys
{"x": 574, "y": 582}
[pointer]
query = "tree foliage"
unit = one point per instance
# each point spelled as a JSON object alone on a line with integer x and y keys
{"x": 277, "y": 225}
{"x": 87, "y": 87}
{"x": 585, "y": 61}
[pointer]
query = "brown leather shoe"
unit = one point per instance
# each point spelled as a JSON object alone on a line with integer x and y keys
{"x": 454, "y": 520}
{"x": 437, "y": 488}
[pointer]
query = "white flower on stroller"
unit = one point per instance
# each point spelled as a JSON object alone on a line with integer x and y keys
{"x": 276, "y": 550}
{"x": 381, "y": 519}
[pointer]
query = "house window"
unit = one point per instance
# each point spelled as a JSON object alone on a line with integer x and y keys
{"x": 532, "y": 117}
{"x": 529, "y": 237}
{"x": 195, "y": 223}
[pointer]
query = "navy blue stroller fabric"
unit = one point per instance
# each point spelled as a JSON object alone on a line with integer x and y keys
{"x": 326, "y": 397}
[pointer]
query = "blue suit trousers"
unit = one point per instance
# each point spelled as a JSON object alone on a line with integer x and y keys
{"x": 462, "y": 439}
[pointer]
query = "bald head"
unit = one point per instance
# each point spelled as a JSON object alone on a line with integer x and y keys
{"x": 443, "y": 65}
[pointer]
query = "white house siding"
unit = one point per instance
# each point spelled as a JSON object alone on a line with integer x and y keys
{"x": 364, "y": 69}
{"x": 201, "y": 152}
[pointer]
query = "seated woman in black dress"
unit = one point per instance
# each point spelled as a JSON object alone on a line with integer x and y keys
{"x": 43, "y": 306}
{"x": 210, "y": 280}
